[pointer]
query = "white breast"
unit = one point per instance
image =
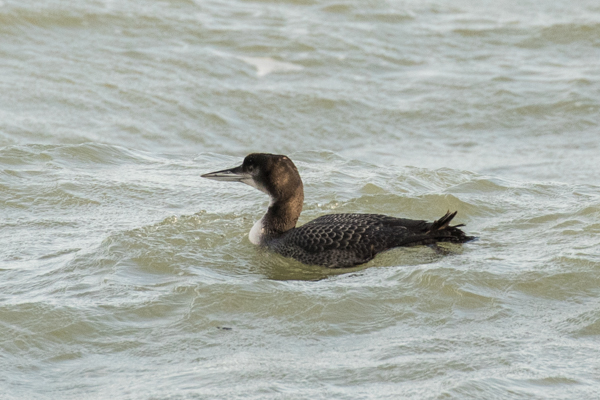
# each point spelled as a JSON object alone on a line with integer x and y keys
{"x": 257, "y": 232}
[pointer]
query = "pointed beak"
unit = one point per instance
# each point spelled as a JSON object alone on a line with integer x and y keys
{"x": 228, "y": 175}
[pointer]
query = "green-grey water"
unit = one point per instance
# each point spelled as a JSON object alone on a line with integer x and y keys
{"x": 124, "y": 275}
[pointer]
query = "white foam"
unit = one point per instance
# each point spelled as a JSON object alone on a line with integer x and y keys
{"x": 266, "y": 65}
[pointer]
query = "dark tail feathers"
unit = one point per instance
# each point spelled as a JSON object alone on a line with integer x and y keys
{"x": 443, "y": 232}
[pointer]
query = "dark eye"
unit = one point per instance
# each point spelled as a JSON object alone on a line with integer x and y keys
{"x": 250, "y": 168}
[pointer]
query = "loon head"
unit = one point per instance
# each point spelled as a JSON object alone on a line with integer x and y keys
{"x": 274, "y": 174}
{"x": 277, "y": 176}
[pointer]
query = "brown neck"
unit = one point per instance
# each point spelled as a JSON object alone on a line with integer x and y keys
{"x": 283, "y": 214}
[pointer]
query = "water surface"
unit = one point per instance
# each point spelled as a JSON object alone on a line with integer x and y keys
{"x": 124, "y": 275}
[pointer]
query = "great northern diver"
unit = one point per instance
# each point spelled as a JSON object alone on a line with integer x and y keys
{"x": 335, "y": 240}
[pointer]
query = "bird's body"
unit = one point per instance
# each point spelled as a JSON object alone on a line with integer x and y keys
{"x": 335, "y": 240}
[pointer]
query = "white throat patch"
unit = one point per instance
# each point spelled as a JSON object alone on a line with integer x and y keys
{"x": 257, "y": 232}
{"x": 251, "y": 182}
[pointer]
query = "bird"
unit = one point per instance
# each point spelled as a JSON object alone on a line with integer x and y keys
{"x": 333, "y": 240}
